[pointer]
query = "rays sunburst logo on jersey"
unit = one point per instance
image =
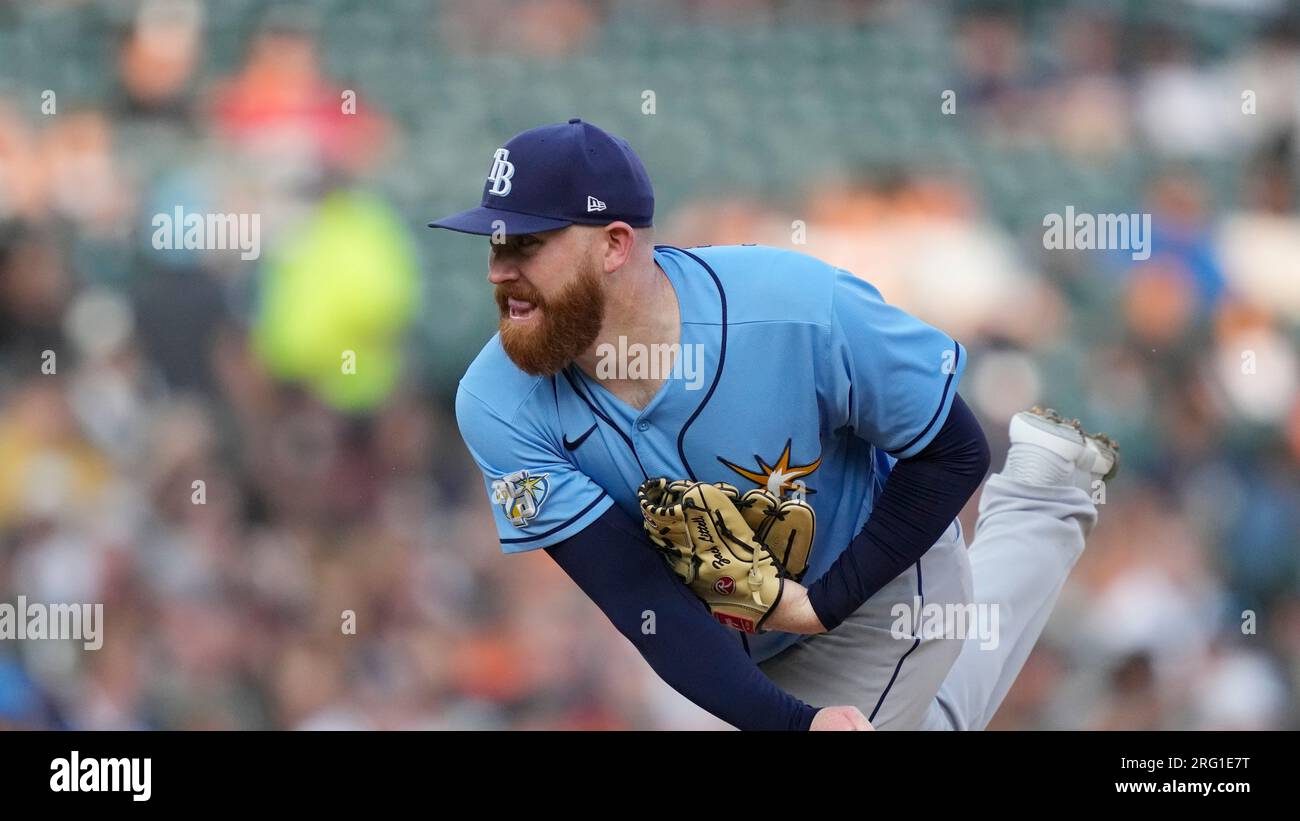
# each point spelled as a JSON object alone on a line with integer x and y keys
{"x": 779, "y": 478}
{"x": 520, "y": 495}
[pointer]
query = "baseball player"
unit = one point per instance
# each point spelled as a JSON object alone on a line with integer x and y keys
{"x": 643, "y": 402}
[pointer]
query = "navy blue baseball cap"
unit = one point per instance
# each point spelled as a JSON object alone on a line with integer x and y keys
{"x": 553, "y": 176}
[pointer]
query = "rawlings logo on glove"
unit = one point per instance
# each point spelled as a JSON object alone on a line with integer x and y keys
{"x": 735, "y": 552}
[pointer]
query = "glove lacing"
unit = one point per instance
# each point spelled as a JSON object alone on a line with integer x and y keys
{"x": 755, "y": 556}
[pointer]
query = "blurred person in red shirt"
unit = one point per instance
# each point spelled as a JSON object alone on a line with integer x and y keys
{"x": 280, "y": 106}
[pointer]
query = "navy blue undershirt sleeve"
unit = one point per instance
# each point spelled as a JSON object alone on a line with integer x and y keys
{"x": 614, "y": 564}
{"x": 922, "y": 496}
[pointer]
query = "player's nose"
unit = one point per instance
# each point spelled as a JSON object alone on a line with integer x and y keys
{"x": 501, "y": 270}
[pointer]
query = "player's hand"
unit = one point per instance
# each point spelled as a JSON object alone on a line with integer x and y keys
{"x": 840, "y": 718}
{"x": 794, "y": 613}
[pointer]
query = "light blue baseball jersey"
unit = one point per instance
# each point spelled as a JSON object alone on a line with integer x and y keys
{"x": 810, "y": 384}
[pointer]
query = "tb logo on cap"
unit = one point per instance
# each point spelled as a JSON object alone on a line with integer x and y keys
{"x": 502, "y": 171}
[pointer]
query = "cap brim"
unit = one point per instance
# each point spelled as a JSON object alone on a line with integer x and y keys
{"x": 483, "y": 220}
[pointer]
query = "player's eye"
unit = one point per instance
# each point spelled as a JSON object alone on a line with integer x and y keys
{"x": 516, "y": 245}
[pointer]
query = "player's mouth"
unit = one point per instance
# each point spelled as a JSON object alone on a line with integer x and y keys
{"x": 521, "y": 310}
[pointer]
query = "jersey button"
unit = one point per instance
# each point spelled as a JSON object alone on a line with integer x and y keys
{"x": 643, "y": 425}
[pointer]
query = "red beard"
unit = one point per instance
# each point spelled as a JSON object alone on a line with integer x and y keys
{"x": 564, "y": 327}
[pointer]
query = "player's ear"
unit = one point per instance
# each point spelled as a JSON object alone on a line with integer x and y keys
{"x": 618, "y": 239}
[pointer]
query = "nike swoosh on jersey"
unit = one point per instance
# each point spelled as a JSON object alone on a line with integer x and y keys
{"x": 577, "y": 443}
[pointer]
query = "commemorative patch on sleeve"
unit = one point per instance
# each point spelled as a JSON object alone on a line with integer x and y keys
{"x": 520, "y": 495}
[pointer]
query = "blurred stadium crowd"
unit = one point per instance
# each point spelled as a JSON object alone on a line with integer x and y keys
{"x": 346, "y": 125}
